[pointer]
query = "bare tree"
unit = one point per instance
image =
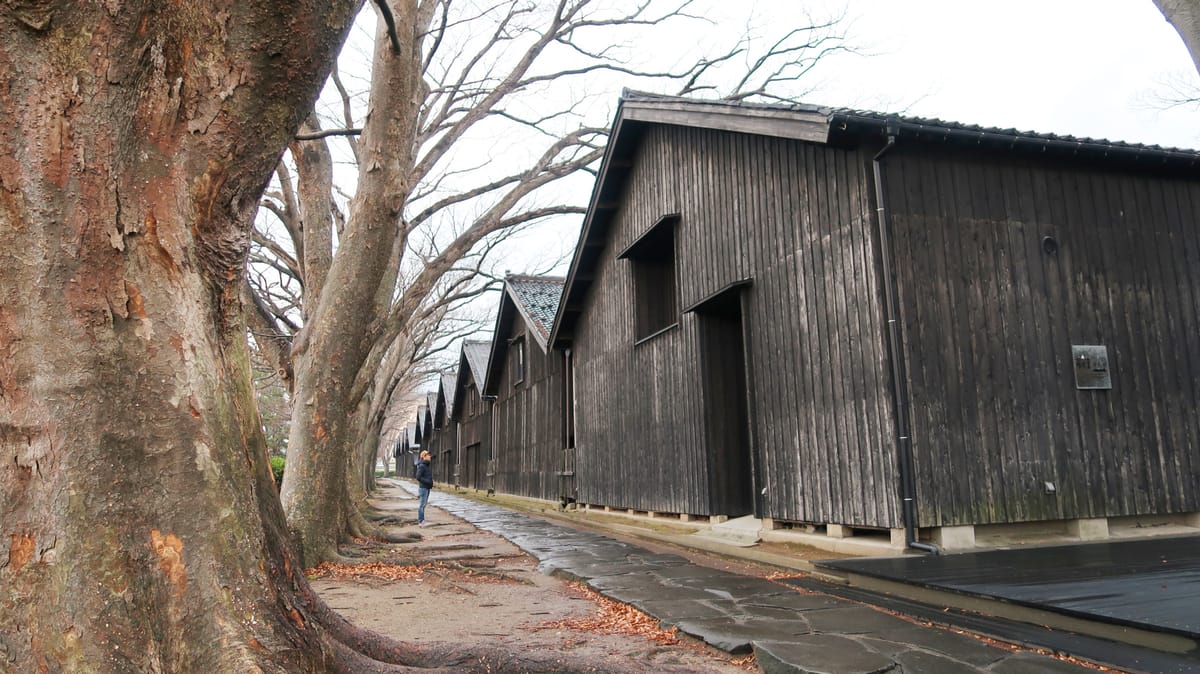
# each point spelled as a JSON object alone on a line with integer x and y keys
{"x": 138, "y": 138}
{"x": 476, "y": 126}
{"x": 141, "y": 529}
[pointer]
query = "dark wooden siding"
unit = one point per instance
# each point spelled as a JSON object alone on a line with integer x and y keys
{"x": 795, "y": 218}
{"x": 989, "y": 319}
{"x": 529, "y": 418}
{"x": 638, "y": 440}
{"x": 440, "y": 445}
{"x": 474, "y": 440}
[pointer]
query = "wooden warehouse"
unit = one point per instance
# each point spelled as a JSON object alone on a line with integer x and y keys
{"x": 445, "y": 432}
{"x": 525, "y": 380}
{"x": 407, "y": 451}
{"x": 861, "y": 321}
{"x": 471, "y": 414}
{"x": 432, "y": 439}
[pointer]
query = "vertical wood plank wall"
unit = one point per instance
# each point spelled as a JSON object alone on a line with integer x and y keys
{"x": 989, "y": 319}
{"x": 445, "y": 434}
{"x": 475, "y": 439}
{"x": 796, "y": 218}
{"x": 529, "y": 418}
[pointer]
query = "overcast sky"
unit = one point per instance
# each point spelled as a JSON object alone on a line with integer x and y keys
{"x": 1089, "y": 68}
{"x": 1100, "y": 69}
{"x": 1094, "y": 68}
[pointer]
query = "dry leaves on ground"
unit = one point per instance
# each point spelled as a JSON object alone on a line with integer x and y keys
{"x": 613, "y": 617}
{"x": 397, "y": 572}
{"x": 367, "y": 569}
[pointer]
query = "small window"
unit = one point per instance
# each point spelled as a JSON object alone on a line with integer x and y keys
{"x": 472, "y": 402}
{"x": 653, "y": 264}
{"x": 518, "y": 363}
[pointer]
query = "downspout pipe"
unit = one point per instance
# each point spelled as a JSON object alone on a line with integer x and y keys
{"x": 566, "y": 483}
{"x": 896, "y": 356}
{"x": 495, "y": 455}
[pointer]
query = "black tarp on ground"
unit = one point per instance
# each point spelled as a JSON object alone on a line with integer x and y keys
{"x": 1152, "y": 584}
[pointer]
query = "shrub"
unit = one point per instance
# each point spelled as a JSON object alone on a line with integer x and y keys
{"x": 277, "y": 463}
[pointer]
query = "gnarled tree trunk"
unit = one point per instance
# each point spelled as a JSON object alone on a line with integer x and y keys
{"x": 139, "y": 524}
{"x": 334, "y": 345}
{"x": 139, "y": 527}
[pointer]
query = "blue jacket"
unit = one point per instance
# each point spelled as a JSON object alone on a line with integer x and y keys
{"x": 424, "y": 475}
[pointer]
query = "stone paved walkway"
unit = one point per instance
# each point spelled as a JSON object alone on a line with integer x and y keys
{"x": 789, "y": 630}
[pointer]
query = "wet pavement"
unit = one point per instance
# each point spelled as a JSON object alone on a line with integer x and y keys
{"x": 790, "y": 628}
{"x": 1149, "y": 584}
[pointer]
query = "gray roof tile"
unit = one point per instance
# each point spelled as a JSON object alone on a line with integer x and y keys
{"x": 477, "y": 358}
{"x": 537, "y": 299}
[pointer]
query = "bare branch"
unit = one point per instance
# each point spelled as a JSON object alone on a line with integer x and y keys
{"x": 347, "y": 112}
{"x": 390, "y": 21}
{"x": 327, "y": 133}
{"x": 438, "y": 34}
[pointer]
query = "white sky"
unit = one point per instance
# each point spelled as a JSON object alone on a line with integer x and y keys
{"x": 1094, "y": 68}
{"x": 1090, "y": 68}
{"x": 1100, "y": 69}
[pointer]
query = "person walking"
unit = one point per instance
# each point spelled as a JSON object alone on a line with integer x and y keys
{"x": 424, "y": 484}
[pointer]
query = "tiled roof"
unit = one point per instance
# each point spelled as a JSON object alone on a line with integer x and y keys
{"x": 422, "y": 415}
{"x": 477, "y": 358}
{"x": 447, "y": 390}
{"x": 537, "y": 298}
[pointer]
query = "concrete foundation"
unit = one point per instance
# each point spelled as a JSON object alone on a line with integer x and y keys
{"x": 838, "y": 531}
{"x": 1095, "y": 529}
{"x": 955, "y": 538}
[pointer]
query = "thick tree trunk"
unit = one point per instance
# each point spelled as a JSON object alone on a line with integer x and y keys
{"x": 338, "y": 338}
{"x": 366, "y": 450}
{"x": 139, "y": 528}
{"x": 139, "y": 525}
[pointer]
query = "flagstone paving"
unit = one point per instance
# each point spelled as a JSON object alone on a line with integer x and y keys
{"x": 789, "y": 629}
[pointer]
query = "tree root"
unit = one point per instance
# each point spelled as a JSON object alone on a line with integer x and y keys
{"x": 490, "y": 573}
{"x": 410, "y": 537}
{"x": 354, "y": 655}
{"x": 385, "y": 520}
{"x": 347, "y": 557}
{"x": 350, "y": 649}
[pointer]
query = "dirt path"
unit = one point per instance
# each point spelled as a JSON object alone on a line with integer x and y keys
{"x": 460, "y": 584}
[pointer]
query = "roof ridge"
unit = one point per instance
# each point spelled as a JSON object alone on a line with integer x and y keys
{"x": 877, "y": 117}
{"x": 534, "y": 277}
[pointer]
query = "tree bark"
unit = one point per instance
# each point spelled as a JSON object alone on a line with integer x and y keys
{"x": 314, "y": 173}
{"x": 333, "y": 346}
{"x": 139, "y": 524}
{"x": 139, "y": 528}
{"x": 1184, "y": 15}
